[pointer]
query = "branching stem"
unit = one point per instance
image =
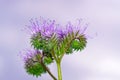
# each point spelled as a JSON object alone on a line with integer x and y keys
{"x": 40, "y": 59}
{"x": 46, "y": 68}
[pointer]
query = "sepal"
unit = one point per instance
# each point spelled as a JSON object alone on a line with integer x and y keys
{"x": 34, "y": 68}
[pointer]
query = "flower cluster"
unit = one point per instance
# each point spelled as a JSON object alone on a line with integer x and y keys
{"x": 29, "y": 54}
{"x": 48, "y": 27}
{"x": 50, "y": 42}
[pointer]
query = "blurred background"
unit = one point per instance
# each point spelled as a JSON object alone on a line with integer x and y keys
{"x": 100, "y": 60}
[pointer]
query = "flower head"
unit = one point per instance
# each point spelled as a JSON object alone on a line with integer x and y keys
{"x": 71, "y": 28}
{"x": 47, "y": 28}
{"x": 29, "y": 54}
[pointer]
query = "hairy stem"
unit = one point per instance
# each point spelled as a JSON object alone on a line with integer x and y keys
{"x": 40, "y": 59}
{"x": 59, "y": 70}
{"x": 46, "y": 68}
{"x": 53, "y": 54}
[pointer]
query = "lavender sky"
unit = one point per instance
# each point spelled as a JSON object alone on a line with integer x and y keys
{"x": 99, "y": 61}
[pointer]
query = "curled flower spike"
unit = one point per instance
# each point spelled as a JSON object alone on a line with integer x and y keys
{"x": 29, "y": 54}
{"x": 60, "y": 32}
{"x": 70, "y": 28}
{"x": 36, "y": 61}
{"x": 45, "y": 27}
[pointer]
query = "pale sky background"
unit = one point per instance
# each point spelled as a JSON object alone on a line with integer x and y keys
{"x": 99, "y": 61}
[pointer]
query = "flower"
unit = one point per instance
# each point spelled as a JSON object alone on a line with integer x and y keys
{"x": 60, "y": 32}
{"x": 47, "y": 28}
{"x": 71, "y": 28}
{"x": 29, "y": 54}
{"x": 50, "y": 42}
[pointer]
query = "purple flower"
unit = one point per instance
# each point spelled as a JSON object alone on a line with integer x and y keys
{"x": 48, "y": 27}
{"x": 80, "y": 28}
{"x": 28, "y": 54}
{"x": 45, "y": 27}
{"x": 60, "y": 31}
{"x": 63, "y": 31}
{"x": 34, "y": 27}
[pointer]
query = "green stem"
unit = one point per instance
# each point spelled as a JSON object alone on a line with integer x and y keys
{"x": 46, "y": 68}
{"x": 40, "y": 59}
{"x": 59, "y": 70}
